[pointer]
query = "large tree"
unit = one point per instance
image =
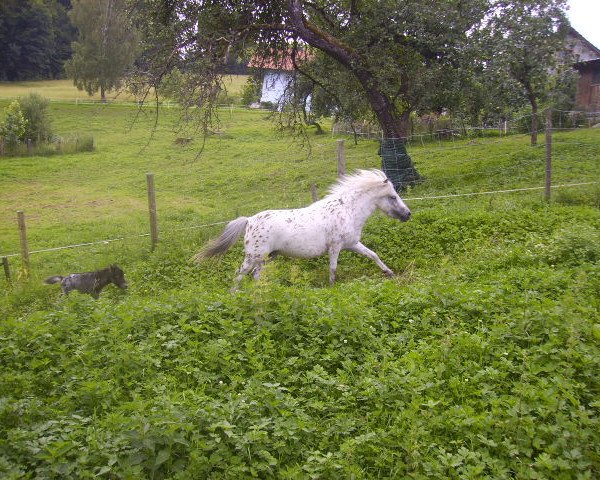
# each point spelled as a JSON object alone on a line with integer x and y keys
{"x": 384, "y": 47}
{"x": 397, "y": 56}
{"x": 106, "y": 46}
{"x": 525, "y": 45}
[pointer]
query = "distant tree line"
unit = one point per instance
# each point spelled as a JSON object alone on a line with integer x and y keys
{"x": 35, "y": 39}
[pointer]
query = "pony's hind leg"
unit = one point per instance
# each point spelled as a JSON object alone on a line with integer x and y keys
{"x": 252, "y": 262}
{"x": 257, "y": 269}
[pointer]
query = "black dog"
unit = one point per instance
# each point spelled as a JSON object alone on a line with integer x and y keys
{"x": 90, "y": 282}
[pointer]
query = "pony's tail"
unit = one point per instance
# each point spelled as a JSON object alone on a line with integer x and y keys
{"x": 54, "y": 279}
{"x": 220, "y": 245}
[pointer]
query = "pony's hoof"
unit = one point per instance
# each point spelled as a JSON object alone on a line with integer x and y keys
{"x": 390, "y": 274}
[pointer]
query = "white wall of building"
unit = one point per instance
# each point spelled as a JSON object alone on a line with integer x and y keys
{"x": 273, "y": 87}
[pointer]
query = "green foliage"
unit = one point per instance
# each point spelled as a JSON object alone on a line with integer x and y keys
{"x": 15, "y": 125}
{"x": 35, "y": 111}
{"x": 525, "y": 46}
{"x": 106, "y": 47}
{"x": 27, "y": 131}
{"x": 483, "y": 370}
{"x": 35, "y": 39}
{"x": 251, "y": 91}
{"x": 479, "y": 360}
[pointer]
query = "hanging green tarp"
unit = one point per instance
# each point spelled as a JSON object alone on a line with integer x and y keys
{"x": 397, "y": 164}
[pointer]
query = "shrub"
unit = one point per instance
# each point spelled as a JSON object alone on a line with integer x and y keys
{"x": 56, "y": 146}
{"x": 251, "y": 91}
{"x": 35, "y": 110}
{"x": 15, "y": 125}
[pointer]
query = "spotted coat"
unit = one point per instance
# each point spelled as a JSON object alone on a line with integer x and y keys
{"x": 327, "y": 226}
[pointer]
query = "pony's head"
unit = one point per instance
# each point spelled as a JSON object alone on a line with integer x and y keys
{"x": 379, "y": 187}
{"x": 117, "y": 276}
{"x": 390, "y": 202}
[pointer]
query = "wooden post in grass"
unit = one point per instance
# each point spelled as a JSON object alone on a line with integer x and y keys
{"x": 24, "y": 245}
{"x": 341, "y": 158}
{"x": 6, "y": 268}
{"x": 313, "y": 191}
{"x": 548, "y": 185}
{"x": 152, "y": 210}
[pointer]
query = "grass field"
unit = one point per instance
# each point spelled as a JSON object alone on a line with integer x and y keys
{"x": 64, "y": 90}
{"x": 479, "y": 360}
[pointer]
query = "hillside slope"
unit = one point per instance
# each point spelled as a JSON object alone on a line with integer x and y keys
{"x": 479, "y": 360}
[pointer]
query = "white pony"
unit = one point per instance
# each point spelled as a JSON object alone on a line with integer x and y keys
{"x": 329, "y": 225}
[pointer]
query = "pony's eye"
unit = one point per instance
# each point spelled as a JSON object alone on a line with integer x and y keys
{"x": 391, "y": 197}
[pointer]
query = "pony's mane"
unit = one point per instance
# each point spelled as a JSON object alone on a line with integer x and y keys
{"x": 360, "y": 180}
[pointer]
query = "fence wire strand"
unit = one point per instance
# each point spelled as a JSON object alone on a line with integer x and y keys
{"x": 327, "y": 151}
{"x": 206, "y": 225}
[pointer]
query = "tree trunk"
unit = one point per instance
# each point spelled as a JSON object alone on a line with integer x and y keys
{"x": 534, "y": 122}
{"x": 394, "y": 126}
{"x": 102, "y": 94}
{"x": 534, "y": 111}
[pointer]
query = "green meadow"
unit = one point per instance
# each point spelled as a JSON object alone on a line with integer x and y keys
{"x": 480, "y": 359}
{"x": 64, "y": 90}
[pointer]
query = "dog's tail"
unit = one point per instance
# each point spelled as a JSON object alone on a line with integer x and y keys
{"x": 54, "y": 279}
{"x": 220, "y": 245}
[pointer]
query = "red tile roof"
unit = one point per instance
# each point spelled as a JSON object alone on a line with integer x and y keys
{"x": 278, "y": 62}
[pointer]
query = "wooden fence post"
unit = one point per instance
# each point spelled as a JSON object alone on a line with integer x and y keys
{"x": 341, "y": 158}
{"x": 152, "y": 210}
{"x": 313, "y": 191}
{"x": 548, "y": 185}
{"x": 6, "y": 268}
{"x": 24, "y": 246}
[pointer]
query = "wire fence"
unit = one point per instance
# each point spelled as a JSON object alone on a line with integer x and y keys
{"x": 440, "y": 129}
{"x": 499, "y": 180}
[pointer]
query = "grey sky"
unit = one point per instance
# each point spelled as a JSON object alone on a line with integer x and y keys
{"x": 584, "y": 16}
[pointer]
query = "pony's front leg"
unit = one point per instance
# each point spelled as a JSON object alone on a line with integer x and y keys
{"x": 362, "y": 250}
{"x": 334, "y": 253}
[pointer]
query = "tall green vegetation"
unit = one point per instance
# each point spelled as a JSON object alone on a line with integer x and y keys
{"x": 39, "y": 125}
{"x": 27, "y": 131}
{"x": 27, "y": 119}
{"x": 12, "y": 131}
{"x": 105, "y": 48}
{"x": 479, "y": 360}
{"x": 35, "y": 39}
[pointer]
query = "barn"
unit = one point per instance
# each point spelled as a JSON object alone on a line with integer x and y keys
{"x": 586, "y": 59}
{"x": 277, "y": 75}
{"x": 588, "y": 85}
